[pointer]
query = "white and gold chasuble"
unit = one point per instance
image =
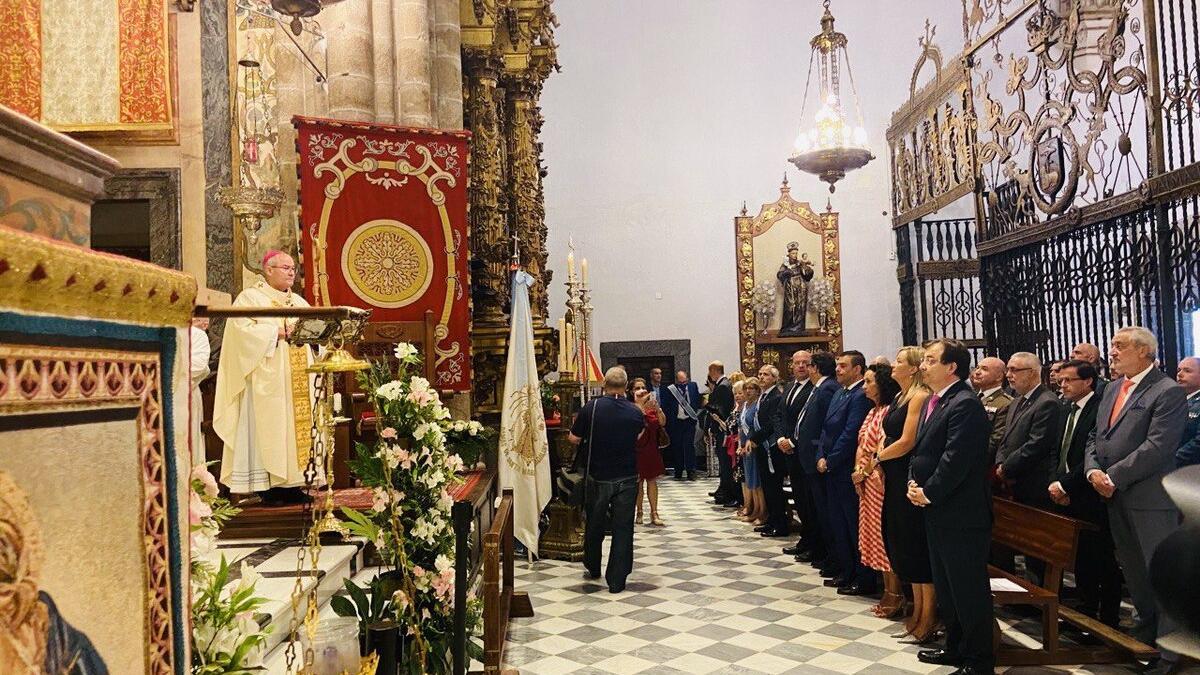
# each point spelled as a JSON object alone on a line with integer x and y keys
{"x": 264, "y": 400}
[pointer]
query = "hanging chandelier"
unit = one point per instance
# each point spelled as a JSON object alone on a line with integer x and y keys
{"x": 831, "y": 147}
{"x": 300, "y": 9}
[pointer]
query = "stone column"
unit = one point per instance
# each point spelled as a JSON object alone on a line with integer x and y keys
{"x": 384, "y": 61}
{"x": 528, "y": 215}
{"x": 447, "y": 64}
{"x": 350, "y": 61}
{"x": 413, "y": 94}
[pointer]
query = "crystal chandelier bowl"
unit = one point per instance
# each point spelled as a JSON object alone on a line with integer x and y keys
{"x": 831, "y": 147}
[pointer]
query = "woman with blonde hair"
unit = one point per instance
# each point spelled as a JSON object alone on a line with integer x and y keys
{"x": 903, "y": 522}
{"x": 755, "y": 509}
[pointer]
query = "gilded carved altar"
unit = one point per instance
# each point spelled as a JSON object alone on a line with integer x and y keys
{"x": 508, "y": 52}
{"x": 764, "y": 243}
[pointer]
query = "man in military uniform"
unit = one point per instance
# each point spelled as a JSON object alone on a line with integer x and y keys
{"x": 988, "y": 380}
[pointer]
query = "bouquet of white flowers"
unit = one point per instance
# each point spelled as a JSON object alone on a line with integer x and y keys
{"x": 411, "y": 470}
{"x": 226, "y": 640}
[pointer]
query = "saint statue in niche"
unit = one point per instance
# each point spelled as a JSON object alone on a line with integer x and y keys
{"x": 34, "y": 639}
{"x": 794, "y": 274}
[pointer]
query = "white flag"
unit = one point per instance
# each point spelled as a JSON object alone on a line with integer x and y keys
{"x": 524, "y": 461}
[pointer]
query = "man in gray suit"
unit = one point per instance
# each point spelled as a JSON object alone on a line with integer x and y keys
{"x": 1138, "y": 427}
{"x": 1028, "y": 452}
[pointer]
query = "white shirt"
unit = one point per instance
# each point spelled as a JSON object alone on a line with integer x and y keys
{"x": 1193, "y": 395}
{"x": 1083, "y": 401}
{"x": 851, "y": 387}
{"x": 1137, "y": 379}
{"x": 987, "y": 393}
{"x": 946, "y": 388}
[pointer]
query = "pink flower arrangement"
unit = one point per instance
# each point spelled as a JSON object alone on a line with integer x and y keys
{"x": 198, "y": 510}
{"x": 201, "y": 473}
{"x": 388, "y": 433}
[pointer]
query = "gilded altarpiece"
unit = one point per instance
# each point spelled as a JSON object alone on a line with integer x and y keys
{"x": 787, "y": 234}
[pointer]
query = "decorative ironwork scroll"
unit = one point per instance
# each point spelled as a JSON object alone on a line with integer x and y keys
{"x": 939, "y": 282}
{"x": 931, "y": 139}
{"x": 1060, "y": 102}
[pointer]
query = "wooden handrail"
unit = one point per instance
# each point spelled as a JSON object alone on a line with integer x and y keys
{"x": 497, "y": 584}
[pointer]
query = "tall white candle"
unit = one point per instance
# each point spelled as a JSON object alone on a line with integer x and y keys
{"x": 583, "y": 266}
{"x": 562, "y": 345}
{"x": 571, "y": 265}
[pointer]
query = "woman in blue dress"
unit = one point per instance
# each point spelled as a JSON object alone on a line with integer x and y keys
{"x": 756, "y": 505}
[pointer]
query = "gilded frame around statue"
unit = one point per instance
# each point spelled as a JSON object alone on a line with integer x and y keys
{"x": 757, "y": 346}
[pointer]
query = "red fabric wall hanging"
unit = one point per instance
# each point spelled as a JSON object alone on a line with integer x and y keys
{"x": 383, "y": 220}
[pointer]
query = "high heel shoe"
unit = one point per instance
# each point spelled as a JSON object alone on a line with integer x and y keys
{"x": 925, "y": 638}
{"x": 886, "y": 609}
{"x": 641, "y": 520}
{"x": 654, "y": 520}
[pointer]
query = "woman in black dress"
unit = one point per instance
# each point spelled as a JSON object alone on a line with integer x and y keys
{"x": 904, "y": 523}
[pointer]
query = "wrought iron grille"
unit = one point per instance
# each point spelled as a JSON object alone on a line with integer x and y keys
{"x": 1080, "y": 286}
{"x": 939, "y": 282}
{"x": 1179, "y": 35}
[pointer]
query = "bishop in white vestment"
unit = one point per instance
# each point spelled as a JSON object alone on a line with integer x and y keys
{"x": 263, "y": 409}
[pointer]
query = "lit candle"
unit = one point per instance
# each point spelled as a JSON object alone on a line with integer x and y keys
{"x": 583, "y": 266}
{"x": 571, "y": 265}
{"x": 562, "y": 345}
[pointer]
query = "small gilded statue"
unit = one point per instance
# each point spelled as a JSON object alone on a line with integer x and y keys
{"x": 794, "y": 274}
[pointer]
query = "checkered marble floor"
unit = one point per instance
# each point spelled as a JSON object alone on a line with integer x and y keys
{"x": 707, "y": 595}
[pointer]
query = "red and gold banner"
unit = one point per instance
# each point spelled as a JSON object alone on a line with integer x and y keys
{"x": 383, "y": 220}
{"x": 87, "y": 66}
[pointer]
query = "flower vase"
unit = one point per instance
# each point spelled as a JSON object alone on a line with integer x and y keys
{"x": 823, "y": 321}
{"x": 383, "y": 638}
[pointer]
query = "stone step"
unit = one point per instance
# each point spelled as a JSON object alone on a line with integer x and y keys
{"x": 277, "y": 562}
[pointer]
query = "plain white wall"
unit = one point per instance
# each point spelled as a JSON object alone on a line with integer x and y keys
{"x": 668, "y": 114}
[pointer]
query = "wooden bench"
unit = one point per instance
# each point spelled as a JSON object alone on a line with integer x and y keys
{"x": 1054, "y": 540}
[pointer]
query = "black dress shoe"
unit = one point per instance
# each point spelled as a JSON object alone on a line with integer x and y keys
{"x": 678, "y": 476}
{"x": 973, "y": 670}
{"x": 804, "y": 556}
{"x": 939, "y": 657}
{"x": 829, "y": 572}
{"x": 616, "y": 589}
{"x": 691, "y": 475}
{"x": 732, "y": 504}
{"x": 714, "y": 493}
{"x": 855, "y": 589}
{"x": 835, "y": 582}
{"x": 762, "y": 528}
{"x": 793, "y": 550}
{"x": 774, "y": 533}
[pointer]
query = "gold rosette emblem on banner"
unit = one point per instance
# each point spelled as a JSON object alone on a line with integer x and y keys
{"x": 387, "y": 263}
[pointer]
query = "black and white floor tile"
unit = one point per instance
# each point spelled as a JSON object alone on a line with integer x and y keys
{"x": 707, "y": 595}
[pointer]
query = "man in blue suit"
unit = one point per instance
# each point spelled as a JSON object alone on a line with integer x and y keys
{"x": 681, "y": 406}
{"x": 835, "y": 459}
{"x": 813, "y": 546}
{"x": 1188, "y": 377}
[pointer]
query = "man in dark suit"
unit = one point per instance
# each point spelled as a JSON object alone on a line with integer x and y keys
{"x": 1188, "y": 377}
{"x": 712, "y": 420}
{"x": 1028, "y": 454}
{"x": 1138, "y": 427}
{"x": 771, "y": 467}
{"x": 681, "y": 406}
{"x": 805, "y": 438}
{"x": 795, "y": 396}
{"x": 1097, "y": 575}
{"x": 835, "y": 459}
{"x": 658, "y": 388}
{"x": 948, "y": 477}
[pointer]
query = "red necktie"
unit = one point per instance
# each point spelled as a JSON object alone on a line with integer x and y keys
{"x": 1122, "y": 396}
